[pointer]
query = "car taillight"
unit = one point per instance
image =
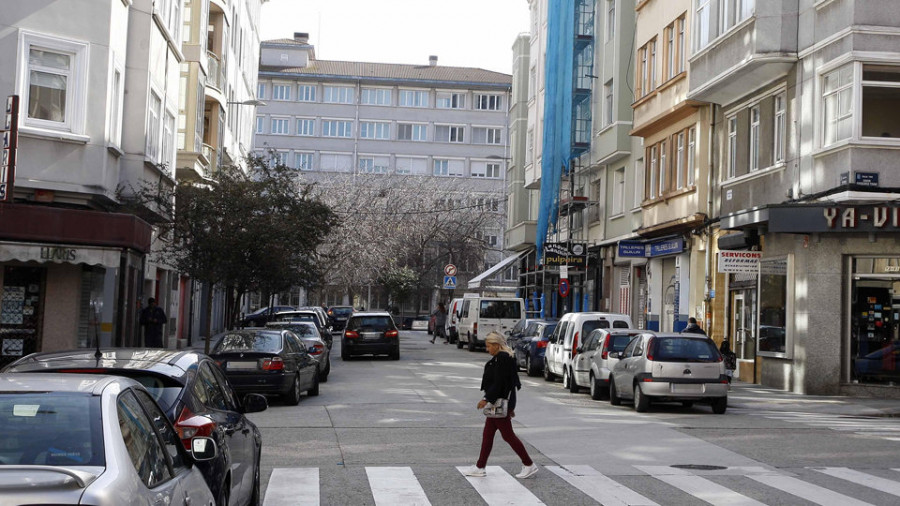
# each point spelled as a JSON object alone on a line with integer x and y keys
{"x": 650, "y": 349}
{"x": 273, "y": 364}
{"x": 351, "y": 334}
{"x": 391, "y": 333}
{"x": 475, "y": 329}
{"x": 190, "y": 426}
{"x": 542, "y": 344}
{"x": 604, "y": 354}
{"x": 575, "y": 345}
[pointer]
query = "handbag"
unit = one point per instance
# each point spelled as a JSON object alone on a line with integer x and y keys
{"x": 499, "y": 409}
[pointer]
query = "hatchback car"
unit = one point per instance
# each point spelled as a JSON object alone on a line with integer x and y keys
{"x": 339, "y": 316}
{"x": 530, "y": 348}
{"x": 268, "y": 361}
{"x": 305, "y": 315}
{"x": 371, "y": 333}
{"x": 572, "y": 328}
{"x": 670, "y": 368}
{"x": 61, "y": 434}
{"x": 194, "y": 395}
{"x": 596, "y": 357}
{"x": 315, "y": 345}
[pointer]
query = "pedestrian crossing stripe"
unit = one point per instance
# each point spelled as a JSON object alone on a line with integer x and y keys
{"x": 399, "y": 486}
{"x": 884, "y": 428}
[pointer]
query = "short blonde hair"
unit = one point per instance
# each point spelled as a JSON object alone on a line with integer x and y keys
{"x": 497, "y": 338}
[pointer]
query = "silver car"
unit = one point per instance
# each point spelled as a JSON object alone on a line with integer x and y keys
{"x": 596, "y": 357}
{"x": 670, "y": 368}
{"x": 98, "y": 440}
{"x": 314, "y": 341}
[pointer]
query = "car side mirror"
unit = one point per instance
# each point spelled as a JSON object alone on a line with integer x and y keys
{"x": 254, "y": 403}
{"x": 203, "y": 448}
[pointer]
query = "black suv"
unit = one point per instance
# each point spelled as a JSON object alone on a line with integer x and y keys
{"x": 339, "y": 316}
{"x": 370, "y": 334}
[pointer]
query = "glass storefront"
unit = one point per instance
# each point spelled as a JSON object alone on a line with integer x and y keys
{"x": 20, "y": 312}
{"x": 875, "y": 320}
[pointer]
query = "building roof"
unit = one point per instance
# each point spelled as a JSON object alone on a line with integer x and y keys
{"x": 390, "y": 71}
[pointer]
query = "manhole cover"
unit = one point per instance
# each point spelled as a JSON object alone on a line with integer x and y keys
{"x": 699, "y": 467}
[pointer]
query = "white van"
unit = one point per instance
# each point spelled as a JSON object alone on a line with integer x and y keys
{"x": 565, "y": 339}
{"x": 480, "y": 316}
{"x": 453, "y": 320}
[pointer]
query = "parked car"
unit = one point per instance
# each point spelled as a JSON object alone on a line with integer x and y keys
{"x": 453, "y": 320}
{"x": 193, "y": 393}
{"x": 529, "y": 349}
{"x": 596, "y": 356}
{"x": 305, "y": 316}
{"x": 480, "y": 316}
{"x": 371, "y": 333}
{"x": 517, "y": 332}
{"x": 565, "y": 339}
{"x": 419, "y": 323}
{"x": 657, "y": 367}
{"x": 261, "y": 316}
{"x": 308, "y": 332}
{"x": 268, "y": 361}
{"x": 61, "y": 434}
{"x": 339, "y": 316}
{"x": 325, "y": 322}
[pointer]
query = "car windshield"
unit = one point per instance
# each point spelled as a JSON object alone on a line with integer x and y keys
{"x": 265, "y": 342}
{"x": 591, "y": 325}
{"x": 51, "y": 428}
{"x": 163, "y": 389}
{"x": 683, "y": 349}
{"x": 510, "y": 309}
{"x": 370, "y": 323}
{"x": 296, "y": 317}
{"x": 342, "y": 311}
{"x": 618, "y": 342}
{"x": 301, "y": 329}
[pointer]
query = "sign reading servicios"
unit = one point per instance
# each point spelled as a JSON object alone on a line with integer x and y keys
{"x": 560, "y": 253}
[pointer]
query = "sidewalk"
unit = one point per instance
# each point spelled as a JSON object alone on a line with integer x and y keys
{"x": 755, "y": 397}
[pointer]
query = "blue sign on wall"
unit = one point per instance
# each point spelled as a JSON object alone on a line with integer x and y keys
{"x": 632, "y": 249}
{"x": 669, "y": 247}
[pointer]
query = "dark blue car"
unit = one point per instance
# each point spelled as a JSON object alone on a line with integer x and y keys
{"x": 530, "y": 347}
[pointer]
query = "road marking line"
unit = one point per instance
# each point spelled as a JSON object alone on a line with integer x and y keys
{"x": 501, "y": 488}
{"x": 298, "y": 486}
{"x": 871, "y": 481}
{"x": 808, "y": 491}
{"x": 700, "y": 487}
{"x": 599, "y": 487}
{"x": 396, "y": 485}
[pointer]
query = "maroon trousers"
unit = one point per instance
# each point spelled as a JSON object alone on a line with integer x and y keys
{"x": 504, "y": 425}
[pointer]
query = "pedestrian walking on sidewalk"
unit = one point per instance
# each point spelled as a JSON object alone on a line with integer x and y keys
{"x": 440, "y": 320}
{"x": 500, "y": 381}
{"x": 693, "y": 327}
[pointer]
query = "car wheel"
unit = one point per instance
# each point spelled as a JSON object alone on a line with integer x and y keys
{"x": 323, "y": 376}
{"x": 528, "y": 370}
{"x": 471, "y": 344}
{"x": 573, "y": 385}
{"x": 222, "y": 500}
{"x": 314, "y": 391}
{"x": 548, "y": 376}
{"x": 596, "y": 388}
{"x": 459, "y": 344}
{"x": 255, "y": 495}
{"x": 641, "y": 401}
{"x": 292, "y": 398}
{"x": 719, "y": 405}
{"x": 614, "y": 398}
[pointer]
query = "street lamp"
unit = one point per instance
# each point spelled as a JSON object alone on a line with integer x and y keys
{"x": 252, "y": 101}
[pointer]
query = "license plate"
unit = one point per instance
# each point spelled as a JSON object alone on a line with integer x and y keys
{"x": 371, "y": 335}
{"x": 689, "y": 388}
{"x": 241, "y": 366}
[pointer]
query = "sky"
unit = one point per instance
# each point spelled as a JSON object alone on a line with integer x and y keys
{"x": 462, "y": 33}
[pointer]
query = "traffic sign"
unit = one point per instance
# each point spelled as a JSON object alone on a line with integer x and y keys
{"x": 450, "y": 270}
{"x": 449, "y": 282}
{"x": 563, "y": 287}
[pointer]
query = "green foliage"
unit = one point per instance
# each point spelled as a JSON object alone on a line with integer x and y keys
{"x": 400, "y": 282}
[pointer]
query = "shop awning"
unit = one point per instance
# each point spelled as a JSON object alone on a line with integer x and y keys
{"x": 60, "y": 254}
{"x": 475, "y": 283}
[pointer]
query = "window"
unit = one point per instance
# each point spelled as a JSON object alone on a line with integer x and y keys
{"x": 880, "y": 101}
{"x": 261, "y": 91}
{"x": 444, "y": 167}
{"x": 608, "y": 103}
{"x": 54, "y": 82}
{"x": 337, "y": 128}
{"x": 280, "y": 126}
{"x": 484, "y": 135}
{"x": 167, "y": 157}
{"x": 306, "y": 127}
{"x": 674, "y": 49}
{"x": 679, "y": 160}
{"x": 780, "y": 127}
{"x": 336, "y": 162}
{"x": 663, "y": 168}
{"x": 116, "y": 99}
{"x": 735, "y": 11}
{"x": 143, "y": 445}
{"x": 775, "y": 303}
{"x": 406, "y": 165}
{"x": 701, "y": 23}
{"x": 260, "y": 124}
{"x": 374, "y": 164}
{"x": 584, "y": 67}
{"x": 653, "y": 152}
{"x": 153, "y": 127}
{"x": 647, "y": 76}
{"x": 618, "y": 197}
{"x": 281, "y": 92}
{"x": 754, "y": 138}
{"x": 413, "y": 98}
{"x": 679, "y": 61}
{"x": 838, "y": 98}
{"x": 732, "y": 147}
{"x": 610, "y": 19}
{"x": 450, "y": 100}
{"x": 338, "y": 95}
{"x": 306, "y": 93}
{"x": 166, "y": 432}
{"x": 691, "y": 150}
{"x": 303, "y": 161}
{"x": 374, "y": 130}
{"x": 488, "y": 102}
{"x": 486, "y": 170}
{"x": 412, "y": 132}
{"x": 449, "y": 133}
{"x": 375, "y": 96}
{"x": 279, "y": 158}
{"x": 638, "y": 178}
{"x": 670, "y": 51}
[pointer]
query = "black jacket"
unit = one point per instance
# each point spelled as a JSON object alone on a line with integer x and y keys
{"x": 693, "y": 328}
{"x": 501, "y": 377}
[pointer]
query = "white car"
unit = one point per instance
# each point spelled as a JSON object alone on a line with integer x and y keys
{"x": 568, "y": 334}
{"x": 657, "y": 367}
{"x": 596, "y": 357}
{"x": 480, "y": 316}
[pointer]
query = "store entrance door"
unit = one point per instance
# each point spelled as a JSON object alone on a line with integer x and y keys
{"x": 20, "y": 318}
{"x": 743, "y": 331}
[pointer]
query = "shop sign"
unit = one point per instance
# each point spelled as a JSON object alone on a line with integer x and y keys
{"x": 669, "y": 247}
{"x": 561, "y": 253}
{"x": 632, "y": 249}
{"x": 812, "y": 219}
{"x": 739, "y": 262}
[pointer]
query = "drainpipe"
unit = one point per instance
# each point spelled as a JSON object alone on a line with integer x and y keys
{"x": 710, "y": 206}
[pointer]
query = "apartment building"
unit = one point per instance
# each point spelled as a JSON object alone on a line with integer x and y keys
{"x": 328, "y": 117}
{"x": 73, "y": 267}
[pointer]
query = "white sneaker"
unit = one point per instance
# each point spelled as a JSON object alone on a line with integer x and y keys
{"x": 475, "y": 471}
{"x": 527, "y": 472}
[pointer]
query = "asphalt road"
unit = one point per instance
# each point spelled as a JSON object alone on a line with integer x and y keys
{"x": 394, "y": 432}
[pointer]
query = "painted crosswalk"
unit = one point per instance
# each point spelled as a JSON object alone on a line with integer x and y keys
{"x": 401, "y": 485}
{"x": 871, "y": 426}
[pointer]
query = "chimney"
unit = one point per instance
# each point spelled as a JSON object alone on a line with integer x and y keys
{"x": 432, "y": 60}
{"x": 301, "y": 37}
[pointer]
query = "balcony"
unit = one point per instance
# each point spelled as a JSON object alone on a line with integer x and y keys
{"x": 212, "y": 159}
{"x": 744, "y": 57}
{"x": 215, "y": 76}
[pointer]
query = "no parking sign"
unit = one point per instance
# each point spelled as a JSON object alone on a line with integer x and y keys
{"x": 563, "y": 287}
